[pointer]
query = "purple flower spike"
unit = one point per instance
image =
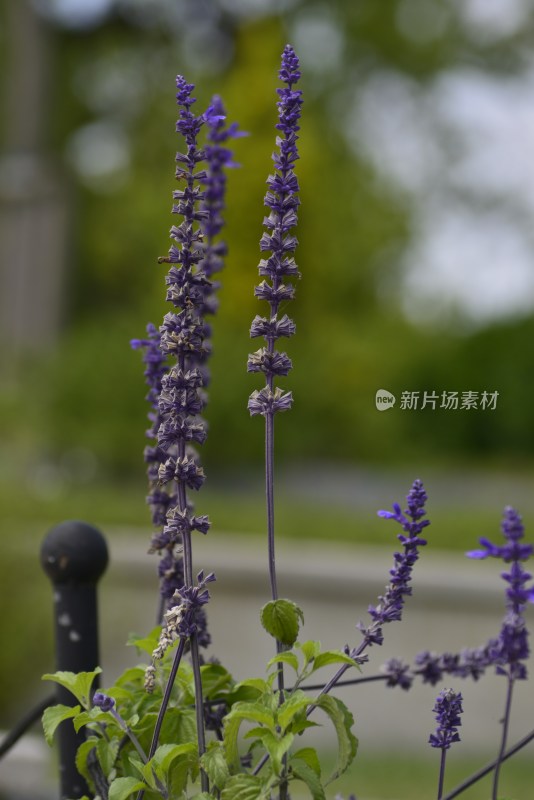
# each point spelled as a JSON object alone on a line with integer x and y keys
{"x": 391, "y": 604}
{"x": 447, "y": 709}
{"x": 278, "y": 243}
{"x": 511, "y": 649}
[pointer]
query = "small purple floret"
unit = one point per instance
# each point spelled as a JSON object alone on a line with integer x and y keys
{"x": 447, "y": 709}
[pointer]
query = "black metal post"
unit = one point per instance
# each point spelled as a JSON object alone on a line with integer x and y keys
{"x": 74, "y": 555}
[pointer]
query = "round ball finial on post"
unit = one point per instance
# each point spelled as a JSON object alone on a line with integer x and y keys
{"x": 74, "y": 555}
{"x": 74, "y": 552}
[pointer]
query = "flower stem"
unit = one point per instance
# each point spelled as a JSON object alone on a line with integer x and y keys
{"x": 442, "y": 772}
{"x": 167, "y": 696}
{"x": 505, "y": 726}
{"x": 269, "y": 495}
{"x": 195, "y": 659}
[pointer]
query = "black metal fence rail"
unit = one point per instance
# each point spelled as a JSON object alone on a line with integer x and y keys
{"x": 74, "y": 555}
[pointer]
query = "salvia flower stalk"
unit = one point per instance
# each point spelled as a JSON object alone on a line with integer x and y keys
{"x": 167, "y": 519}
{"x": 279, "y": 244}
{"x": 391, "y": 604}
{"x": 447, "y": 708}
{"x": 181, "y": 397}
{"x": 511, "y": 649}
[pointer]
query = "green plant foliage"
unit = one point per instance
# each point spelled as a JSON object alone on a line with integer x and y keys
{"x": 78, "y": 683}
{"x": 282, "y": 618}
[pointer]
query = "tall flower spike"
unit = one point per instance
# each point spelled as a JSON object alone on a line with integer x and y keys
{"x": 181, "y": 399}
{"x": 218, "y": 159}
{"x": 390, "y": 607}
{"x": 279, "y": 244}
{"x": 511, "y": 649}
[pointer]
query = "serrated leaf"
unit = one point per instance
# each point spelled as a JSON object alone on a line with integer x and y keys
{"x": 53, "y": 716}
{"x": 282, "y": 618}
{"x": 78, "y": 683}
{"x": 342, "y": 721}
{"x": 333, "y": 657}
{"x": 244, "y": 787}
{"x": 302, "y": 770}
{"x": 107, "y": 754}
{"x": 121, "y": 788}
{"x": 309, "y": 755}
{"x": 286, "y": 658}
{"x": 214, "y": 764}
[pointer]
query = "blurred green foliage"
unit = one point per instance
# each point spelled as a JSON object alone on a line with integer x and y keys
{"x": 89, "y": 393}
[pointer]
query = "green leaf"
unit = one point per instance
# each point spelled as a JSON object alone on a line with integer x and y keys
{"x": 254, "y": 712}
{"x": 309, "y": 755}
{"x": 214, "y": 678}
{"x": 302, "y": 770}
{"x": 146, "y": 644}
{"x": 342, "y": 720}
{"x": 53, "y": 716}
{"x": 286, "y": 658}
{"x": 333, "y": 657}
{"x": 244, "y": 787}
{"x": 121, "y": 788}
{"x": 94, "y": 715}
{"x": 107, "y": 752}
{"x": 167, "y": 753}
{"x": 132, "y": 675}
{"x": 291, "y": 708}
{"x": 82, "y": 755}
{"x": 78, "y": 683}
{"x": 310, "y": 651}
{"x": 214, "y": 764}
{"x": 282, "y": 618}
{"x": 277, "y": 748}
{"x": 256, "y": 685}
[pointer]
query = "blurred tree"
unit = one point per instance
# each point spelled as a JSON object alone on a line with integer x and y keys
{"x": 382, "y": 161}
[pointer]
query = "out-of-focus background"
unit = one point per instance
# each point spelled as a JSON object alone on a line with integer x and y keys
{"x": 415, "y": 246}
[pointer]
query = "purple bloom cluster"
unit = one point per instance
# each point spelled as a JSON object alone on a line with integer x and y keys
{"x": 447, "y": 709}
{"x": 511, "y": 648}
{"x": 103, "y": 701}
{"x": 279, "y": 244}
{"x": 176, "y": 393}
{"x": 219, "y": 158}
{"x": 471, "y": 662}
{"x": 389, "y": 609}
{"x": 187, "y": 605}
